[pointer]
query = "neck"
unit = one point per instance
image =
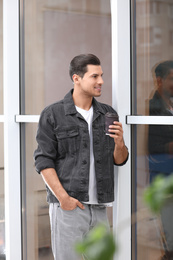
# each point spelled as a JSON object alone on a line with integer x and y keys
{"x": 165, "y": 97}
{"x": 82, "y": 101}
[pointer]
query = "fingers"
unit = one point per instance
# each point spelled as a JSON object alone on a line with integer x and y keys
{"x": 116, "y": 132}
{"x": 71, "y": 204}
{"x": 80, "y": 205}
{"x": 116, "y": 129}
{"x": 116, "y": 125}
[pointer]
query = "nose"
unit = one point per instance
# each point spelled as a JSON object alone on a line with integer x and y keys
{"x": 100, "y": 81}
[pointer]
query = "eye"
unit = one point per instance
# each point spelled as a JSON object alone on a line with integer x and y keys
{"x": 95, "y": 76}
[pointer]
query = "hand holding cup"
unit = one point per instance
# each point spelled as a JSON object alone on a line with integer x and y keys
{"x": 109, "y": 120}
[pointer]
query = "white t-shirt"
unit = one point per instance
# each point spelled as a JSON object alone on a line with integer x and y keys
{"x": 88, "y": 116}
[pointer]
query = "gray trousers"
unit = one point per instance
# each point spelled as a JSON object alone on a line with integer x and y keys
{"x": 68, "y": 227}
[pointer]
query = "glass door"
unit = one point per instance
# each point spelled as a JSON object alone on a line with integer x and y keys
{"x": 52, "y": 33}
{"x": 35, "y": 44}
{"x": 152, "y": 122}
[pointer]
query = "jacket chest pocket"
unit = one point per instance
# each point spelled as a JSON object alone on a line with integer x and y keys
{"x": 68, "y": 139}
{"x": 107, "y": 143}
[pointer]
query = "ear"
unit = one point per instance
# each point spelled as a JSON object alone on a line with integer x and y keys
{"x": 159, "y": 82}
{"x": 75, "y": 78}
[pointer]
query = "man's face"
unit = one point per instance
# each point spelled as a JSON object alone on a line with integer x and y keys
{"x": 167, "y": 84}
{"x": 91, "y": 83}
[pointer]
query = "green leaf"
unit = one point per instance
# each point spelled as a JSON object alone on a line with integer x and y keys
{"x": 99, "y": 244}
{"x": 159, "y": 193}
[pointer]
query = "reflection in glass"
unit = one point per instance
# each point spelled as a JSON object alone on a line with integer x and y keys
{"x": 2, "y": 210}
{"x": 161, "y": 142}
{"x": 152, "y": 45}
{"x": 55, "y": 31}
{"x": 148, "y": 235}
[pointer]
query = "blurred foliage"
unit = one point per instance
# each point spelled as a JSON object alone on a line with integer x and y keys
{"x": 99, "y": 244}
{"x": 159, "y": 193}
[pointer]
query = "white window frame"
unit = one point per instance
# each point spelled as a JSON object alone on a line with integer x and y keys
{"x": 120, "y": 13}
{"x": 13, "y": 241}
{"x": 1, "y": 118}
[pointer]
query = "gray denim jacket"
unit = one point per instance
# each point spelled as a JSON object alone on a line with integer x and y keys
{"x": 63, "y": 144}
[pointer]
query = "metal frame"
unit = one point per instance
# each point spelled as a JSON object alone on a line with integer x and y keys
{"x": 27, "y": 118}
{"x": 120, "y": 11}
{"x": 11, "y": 130}
{"x": 149, "y": 120}
{"x": 1, "y": 118}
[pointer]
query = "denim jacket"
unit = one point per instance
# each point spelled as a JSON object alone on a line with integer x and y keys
{"x": 63, "y": 144}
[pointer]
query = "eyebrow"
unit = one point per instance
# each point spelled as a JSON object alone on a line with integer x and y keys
{"x": 96, "y": 74}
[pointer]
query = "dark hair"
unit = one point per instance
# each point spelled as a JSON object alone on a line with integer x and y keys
{"x": 79, "y": 63}
{"x": 163, "y": 69}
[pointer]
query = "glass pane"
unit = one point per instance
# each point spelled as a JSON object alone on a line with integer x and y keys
{"x": 2, "y": 213}
{"x": 152, "y": 234}
{"x": 55, "y": 32}
{"x": 152, "y": 95}
{"x": 50, "y": 44}
{"x": 153, "y": 43}
{"x": 36, "y": 229}
{"x": 1, "y": 57}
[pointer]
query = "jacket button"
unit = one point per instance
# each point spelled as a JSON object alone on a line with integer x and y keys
{"x": 84, "y": 162}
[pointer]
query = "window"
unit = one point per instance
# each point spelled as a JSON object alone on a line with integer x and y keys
{"x": 153, "y": 43}
{"x": 55, "y": 32}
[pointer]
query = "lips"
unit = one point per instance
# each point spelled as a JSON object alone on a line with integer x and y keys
{"x": 98, "y": 88}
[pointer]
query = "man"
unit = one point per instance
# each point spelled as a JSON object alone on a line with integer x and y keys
{"x": 161, "y": 142}
{"x": 161, "y": 137}
{"x": 76, "y": 158}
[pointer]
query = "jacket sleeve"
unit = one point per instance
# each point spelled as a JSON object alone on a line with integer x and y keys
{"x": 46, "y": 151}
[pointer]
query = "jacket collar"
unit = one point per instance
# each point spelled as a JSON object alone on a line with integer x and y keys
{"x": 70, "y": 108}
{"x": 159, "y": 101}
